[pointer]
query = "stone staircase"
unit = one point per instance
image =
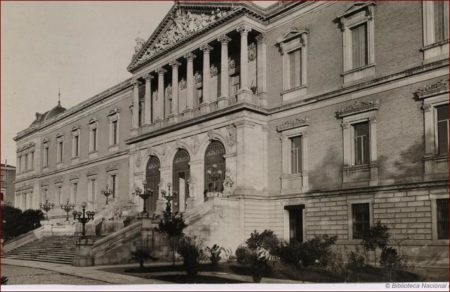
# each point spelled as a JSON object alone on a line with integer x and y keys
{"x": 53, "y": 249}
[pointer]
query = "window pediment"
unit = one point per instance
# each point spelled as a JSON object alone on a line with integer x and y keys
{"x": 291, "y": 124}
{"x": 358, "y": 7}
{"x": 292, "y": 34}
{"x": 431, "y": 90}
{"x": 357, "y": 107}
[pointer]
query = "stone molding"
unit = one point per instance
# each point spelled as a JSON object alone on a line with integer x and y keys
{"x": 433, "y": 89}
{"x": 291, "y": 124}
{"x": 357, "y": 107}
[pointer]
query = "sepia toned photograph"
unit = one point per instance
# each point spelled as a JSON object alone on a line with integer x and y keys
{"x": 234, "y": 145}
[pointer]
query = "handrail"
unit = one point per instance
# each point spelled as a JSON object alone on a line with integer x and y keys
{"x": 116, "y": 235}
{"x": 23, "y": 239}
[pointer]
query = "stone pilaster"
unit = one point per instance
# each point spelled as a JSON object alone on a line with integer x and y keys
{"x": 224, "y": 75}
{"x": 262, "y": 68}
{"x": 148, "y": 99}
{"x": 135, "y": 123}
{"x": 196, "y": 186}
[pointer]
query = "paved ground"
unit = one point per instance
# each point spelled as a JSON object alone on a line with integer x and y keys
{"x": 33, "y": 276}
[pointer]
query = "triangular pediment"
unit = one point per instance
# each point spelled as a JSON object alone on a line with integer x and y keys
{"x": 182, "y": 22}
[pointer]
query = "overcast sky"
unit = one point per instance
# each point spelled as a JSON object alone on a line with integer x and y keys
{"x": 81, "y": 48}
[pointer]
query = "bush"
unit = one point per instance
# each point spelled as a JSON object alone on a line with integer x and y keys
{"x": 376, "y": 237}
{"x": 291, "y": 254}
{"x": 241, "y": 254}
{"x": 192, "y": 252}
{"x": 356, "y": 263}
{"x": 16, "y": 222}
{"x": 390, "y": 261}
{"x": 317, "y": 250}
{"x": 266, "y": 239}
{"x": 4, "y": 280}
{"x": 214, "y": 254}
{"x": 172, "y": 225}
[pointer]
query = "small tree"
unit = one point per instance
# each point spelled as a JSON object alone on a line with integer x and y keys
{"x": 390, "y": 261}
{"x": 192, "y": 253}
{"x": 172, "y": 225}
{"x": 214, "y": 254}
{"x": 376, "y": 237}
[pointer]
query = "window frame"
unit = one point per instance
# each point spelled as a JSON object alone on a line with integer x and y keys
{"x": 93, "y": 138}
{"x": 358, "y": 14}
{"x": 434, "y": 227}
{"x": 76, "y": 143}
{"x": 432, "y": 50}
{"x": 114, "y": 118}
{"x": 59, "y": 149}
{"x": 298, "y": 182}
{"x": 295, "y": 39}
{"x": 350, "y": 216}
{"x": 287, "y": 222}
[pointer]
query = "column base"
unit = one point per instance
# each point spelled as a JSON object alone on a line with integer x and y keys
{"x": 187, "y": 113}
{"x": 222, "y": 102}
{"x": 134, "y": 132}
{"x": 245, "y": 95}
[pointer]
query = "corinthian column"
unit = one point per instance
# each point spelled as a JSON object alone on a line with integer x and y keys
{"x": 190, "y": 81}
{"x": 148, "y": 99}
{"x": 175, "y": 103}
{"x": 136, "y": 104}
{"x": 244, "y": 30}
{"x": 206, "y": 72}
{"x": 161, "y": 72}
{"x": 224, "y": 75}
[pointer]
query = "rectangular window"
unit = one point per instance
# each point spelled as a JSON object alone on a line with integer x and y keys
{"x": 442, "y": 128}
{"x": 59, "y": 196}
{"x": 295, "y": 69}
{"x": 295, "y": 222}
{"x": 92, "y": 189}
{"x": 359, "y": 46}
{"x": 361, "y": 141}
{"x": 442, "y": 218}
{"x": 296, "y": 155}
{"x": 76, "y": 145}
{"x": 32, "y": 160}
{"x": 114, "y": 184}
{"x": 360, "y": 219}
{"x": 114, "y": 132}
{"x": 26, "y": 161}
{"x": 94, "y": 139}
{"x": 440, "y": 20}
{"x": 73, "y": 197}
{"x": 45, "y": 158}
{"x": 60, "y": 151}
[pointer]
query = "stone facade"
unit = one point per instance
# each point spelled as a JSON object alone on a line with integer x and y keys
{"x": 224, "y": 77}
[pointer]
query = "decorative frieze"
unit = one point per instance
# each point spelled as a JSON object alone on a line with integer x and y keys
{"x": 291, "y": 124}
{"x": 357, "y": 107}
{"x": 231, "y": 135}
{"x": 433, "y": 89}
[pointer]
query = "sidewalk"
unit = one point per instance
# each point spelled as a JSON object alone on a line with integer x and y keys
{"x": 82, "y": 272}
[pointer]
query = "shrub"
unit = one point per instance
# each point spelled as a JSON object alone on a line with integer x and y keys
{"x": 291, "y": 254}
{"x": 241, "y": 254}
{"x": 266, "y": 239}
{"x": 214, "y": 254}
{"x": 376, "y": 237}
{"x": 4, "y": 280}
{"x": 15, "y": 222}
{"x": 390, "y": 261}
{"x": 140, "y": 255}
{"x": 172, "y": 225}
{"x": 317, "y": 250}
{"x": 191, "y": 251}
{"x": 356, "y": 262}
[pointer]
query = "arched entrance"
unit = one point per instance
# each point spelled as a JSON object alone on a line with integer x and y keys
{"x": 181, "y": 175}
{"x": 153, "y": 177}
{"x": 214, "y": 167}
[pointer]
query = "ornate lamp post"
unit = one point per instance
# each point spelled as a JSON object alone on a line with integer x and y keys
{"x": 67, "y": 208}
{"x": 83, "y": 217}
{"x": 169, "y": 195}
{"x": 47, "y": 206}
{"x": 107, "y": 192}
{"x": 144, "y": 195}
{"x": 215, "y": 174}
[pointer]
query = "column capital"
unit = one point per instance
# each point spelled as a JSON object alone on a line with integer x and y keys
{"x": 174, "y": 63}
{"x": 206, "y": 48}
{"x": 244, "y": 29}
{"x": 224, "y": 39}
{"x": 136, "y": 82}
{"x": 149, "y": 76}
{"x": 190, "y": 56}
{"x": 161, "y": 71}
{"x": 261, "y": 38}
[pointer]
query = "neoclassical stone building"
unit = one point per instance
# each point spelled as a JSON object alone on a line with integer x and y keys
{"x": 304, "y": 117}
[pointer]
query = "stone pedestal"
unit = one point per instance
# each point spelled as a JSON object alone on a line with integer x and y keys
{"x": 245, "y": 95}
{"x": 204, "y": 108}
{"x": 222, "y": 102}
{"x": 160, "y": 206}
{"x": 83, "y": 257}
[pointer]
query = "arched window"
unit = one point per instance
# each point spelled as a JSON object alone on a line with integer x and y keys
{"x": 214, "y": 167}
{"x": 181, "y": 175}
{"x": 153, "y": 177}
